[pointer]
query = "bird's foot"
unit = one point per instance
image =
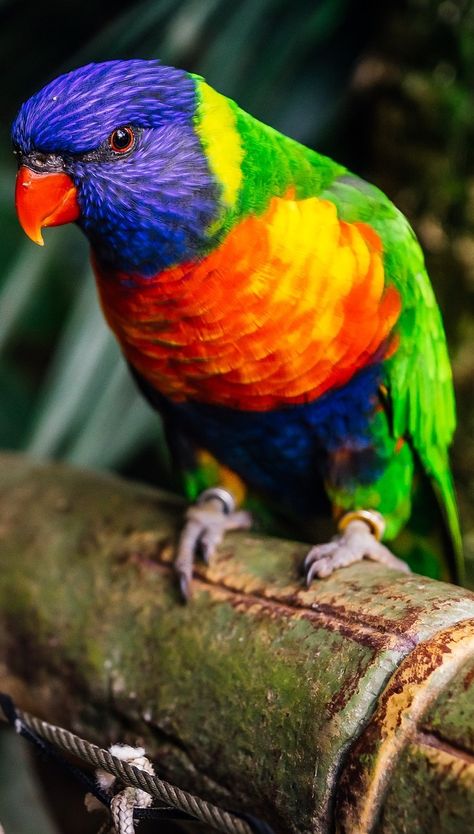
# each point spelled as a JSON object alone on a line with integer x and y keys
{"x": 207, "y": 521}
{"x": 358, "y": 538}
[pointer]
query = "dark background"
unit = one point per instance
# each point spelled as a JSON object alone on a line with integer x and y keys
{"x": 386, "y": 88}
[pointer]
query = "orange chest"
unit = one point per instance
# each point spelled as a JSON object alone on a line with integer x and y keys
{"x": 270, "y": 318}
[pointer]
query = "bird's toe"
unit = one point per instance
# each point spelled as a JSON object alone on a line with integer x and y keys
{"x": 357, "y": 542}
{"x": 203, "y": 532}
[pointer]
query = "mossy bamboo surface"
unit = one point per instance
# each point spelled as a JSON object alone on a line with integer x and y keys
{"x": 347, "y": 706}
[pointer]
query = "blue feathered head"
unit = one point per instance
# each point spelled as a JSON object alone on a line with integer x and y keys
{"x": 119, "y": 138}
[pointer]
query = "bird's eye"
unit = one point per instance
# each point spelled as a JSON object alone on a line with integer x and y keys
{"x": 122, "y": 139}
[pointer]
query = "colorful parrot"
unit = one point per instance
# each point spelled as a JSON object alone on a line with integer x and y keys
{"x": 272, "y": 306}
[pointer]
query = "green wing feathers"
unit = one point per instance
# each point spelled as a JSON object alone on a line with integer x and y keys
{"x": 419, "y": 379}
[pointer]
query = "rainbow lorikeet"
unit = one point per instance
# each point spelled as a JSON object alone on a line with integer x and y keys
{"x": 272, "y": 306}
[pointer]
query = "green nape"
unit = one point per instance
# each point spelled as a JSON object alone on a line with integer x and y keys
{"x": 253, "y": 162}
{"x": 288, "y": 167}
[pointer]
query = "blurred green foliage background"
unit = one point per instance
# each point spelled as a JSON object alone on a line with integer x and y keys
{"x": 386, "y": 88}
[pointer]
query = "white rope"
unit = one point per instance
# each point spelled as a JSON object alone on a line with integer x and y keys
{"x": 123, "y": 799}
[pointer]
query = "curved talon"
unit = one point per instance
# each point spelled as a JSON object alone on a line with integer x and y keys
{"x": 206, "y": 525}
{"x": 355, "y": 543}
{"x": 185, "y": 586}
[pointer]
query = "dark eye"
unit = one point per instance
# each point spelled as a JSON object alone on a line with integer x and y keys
{"x": 122, "y": 139}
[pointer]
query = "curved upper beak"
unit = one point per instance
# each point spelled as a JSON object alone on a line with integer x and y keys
{"x": 44, "y": 199}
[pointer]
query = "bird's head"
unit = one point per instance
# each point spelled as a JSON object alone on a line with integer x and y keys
{"x": 117, "y": 148}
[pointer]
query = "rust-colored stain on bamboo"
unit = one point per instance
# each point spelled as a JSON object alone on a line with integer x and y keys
{"x": 421, "y": 677}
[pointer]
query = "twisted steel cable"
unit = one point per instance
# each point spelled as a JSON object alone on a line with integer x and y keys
{"x": 200, "y": 809}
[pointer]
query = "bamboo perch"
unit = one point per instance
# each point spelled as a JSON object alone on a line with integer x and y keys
{"x": 348, "y": 705}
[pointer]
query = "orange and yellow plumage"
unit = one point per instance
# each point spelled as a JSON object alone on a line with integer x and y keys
{"x": 239, "y": 329}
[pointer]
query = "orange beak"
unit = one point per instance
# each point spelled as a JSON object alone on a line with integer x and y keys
{"x": 48, "y": 199}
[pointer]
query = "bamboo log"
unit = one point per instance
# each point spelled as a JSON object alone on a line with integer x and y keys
{"x": 349, "y": 705}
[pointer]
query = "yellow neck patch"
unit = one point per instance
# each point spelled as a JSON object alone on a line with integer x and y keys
{"x": 216, "y": 128}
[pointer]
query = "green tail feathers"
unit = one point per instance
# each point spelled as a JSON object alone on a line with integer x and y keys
{"x": 431, "y": 540}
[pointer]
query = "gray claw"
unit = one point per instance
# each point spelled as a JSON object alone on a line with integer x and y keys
{"x": 204, "y": 530}
{"x": 205, "y": 552}
{"x": 185, "y": 587}
{"x": 355, "y": 543}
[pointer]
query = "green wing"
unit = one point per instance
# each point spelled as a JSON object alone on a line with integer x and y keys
{"x": 419, "y": 378}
